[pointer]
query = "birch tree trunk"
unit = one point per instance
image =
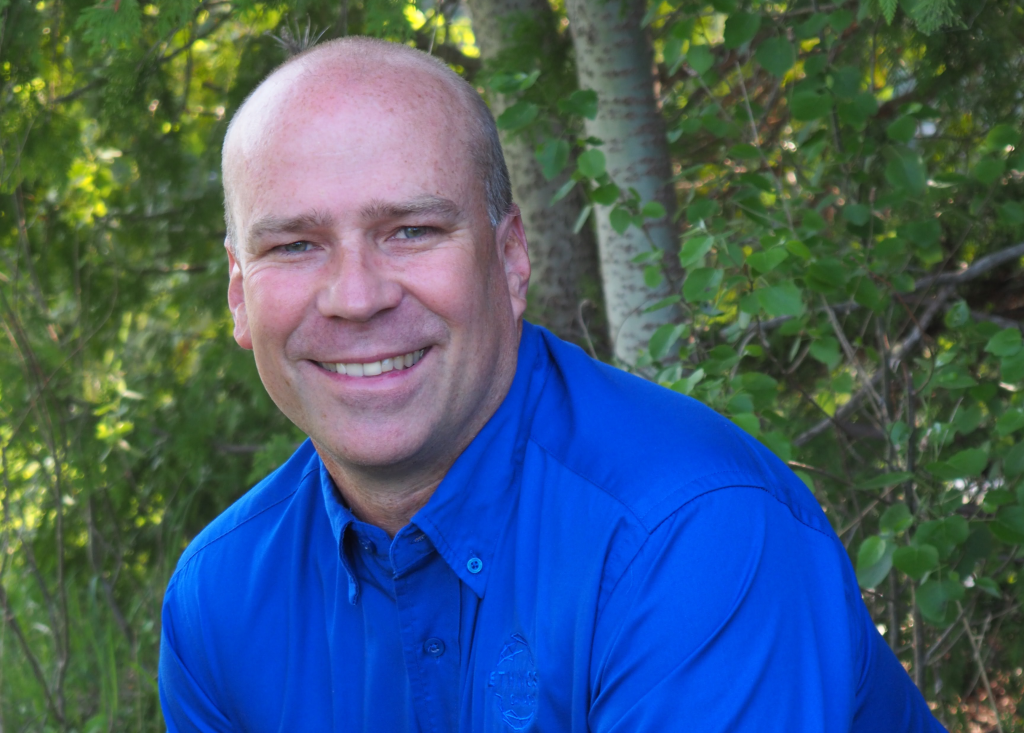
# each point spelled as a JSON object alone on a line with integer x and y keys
{"x": 564, "y": 264}
{"x": 614, "y": 58}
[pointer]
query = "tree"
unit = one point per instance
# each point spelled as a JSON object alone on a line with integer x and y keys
{"x": 563, "y": 256}
{"x": 613, "y": 59}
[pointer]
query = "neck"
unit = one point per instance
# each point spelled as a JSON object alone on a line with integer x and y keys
{"x": 386, "y": 501}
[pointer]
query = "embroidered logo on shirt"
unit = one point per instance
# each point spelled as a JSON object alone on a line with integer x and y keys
{"x": 514, "y": 683}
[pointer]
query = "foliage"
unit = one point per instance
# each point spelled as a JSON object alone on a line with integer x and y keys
{"x": 845, "y": 289}
{"x": 850, "y": 187}
{"x": 128, "y": 416}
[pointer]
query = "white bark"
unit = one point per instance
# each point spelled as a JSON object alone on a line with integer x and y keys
{"x": 563, "y": 263}
{"x": 614, "y": 58}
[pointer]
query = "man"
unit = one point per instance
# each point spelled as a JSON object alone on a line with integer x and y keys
{"x": 487, "y": 530}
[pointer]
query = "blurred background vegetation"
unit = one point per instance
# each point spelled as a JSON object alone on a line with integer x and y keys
{"x": 806, "y": 214}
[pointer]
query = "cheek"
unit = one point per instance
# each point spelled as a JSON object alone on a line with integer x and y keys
{"x": 274, "y": 302}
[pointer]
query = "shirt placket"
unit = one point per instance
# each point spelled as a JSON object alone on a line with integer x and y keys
{"x": 428, "y": 597}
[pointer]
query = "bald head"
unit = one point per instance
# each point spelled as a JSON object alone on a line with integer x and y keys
{"x": 376, "y": 69}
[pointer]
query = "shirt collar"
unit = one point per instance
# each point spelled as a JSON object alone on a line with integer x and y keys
{"x": 466, "y": 514}
{"x": 465, "y": 517}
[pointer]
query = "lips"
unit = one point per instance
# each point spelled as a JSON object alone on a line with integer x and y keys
{"x": 374, "y": 368}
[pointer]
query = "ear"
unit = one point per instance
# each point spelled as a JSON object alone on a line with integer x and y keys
{"x": 514, "y": 253}
{"x": 236, "y": 299}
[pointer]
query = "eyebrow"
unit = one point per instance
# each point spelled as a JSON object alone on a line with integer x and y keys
{"x": 379, "y": 210}
{"x": 306, "y": 222}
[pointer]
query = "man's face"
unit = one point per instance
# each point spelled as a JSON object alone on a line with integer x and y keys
{"x": 365, "y": 243}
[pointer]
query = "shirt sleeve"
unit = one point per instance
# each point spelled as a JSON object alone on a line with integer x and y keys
{"x": 187, "y": 707}
{"x": 736, "y": 616}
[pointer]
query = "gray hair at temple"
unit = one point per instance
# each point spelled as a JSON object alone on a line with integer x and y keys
{"x": 485, "y": 147}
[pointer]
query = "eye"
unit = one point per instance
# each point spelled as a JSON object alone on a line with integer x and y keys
{"x": 413, "y": 232}
{"x": 300, "y": 246}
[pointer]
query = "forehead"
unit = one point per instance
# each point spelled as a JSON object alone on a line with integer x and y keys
{"x": 350, "y": 132}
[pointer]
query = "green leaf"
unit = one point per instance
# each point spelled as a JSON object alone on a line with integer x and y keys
{"x": 748, "y": 422}
{"x": 1011, "y": 368}
{"x": 857, "y": 214}
{"x": 874, "y": 560}
{"x": 826, "y": 350}
{"x": 840, "y": 20}
{"x": 896, "y": 519}
{"x": 700, "y": 59}
{"x": 740, "y": 28}
{"x": 582, "y": 218}
{"x": 591, "y": 163}
{"x": 582, "y": 103}
{"x": 767, "y": 260}
{"x": 988, "y": 170}
{"x": 858, "y": 109}
{"x": 916, "y": 560}
{"x": 700, "y": 209}
{"x": 1013, "y": 461}
{"x": 552, "y": 156}
{"x": 518, "y": 116}
{"x": 652, "y": 210}
{"x": 937, "y": 601}
{"x": 958, "y": 315}
{"x": 605, "y": 195}
{"x": 653, "y": 276}
{"x": 665, "y": 338}
{"x": 511, "y": 83}
{"x": 810, "y": 105}
{"x": 1009, "y": 525}
{"x": 1005, "y": 343}
{"x": 1010, "y": 422}
{"x": 620, "y": 219}
{"x": 686, "y": 385}
{"x": 694, "y": 249}
{"x": 798, "y": 248}
{"x": 784, "y": 299}
{"x": 776, "y": 55}
{"x": 902, "y": 130}
{"x": 888, "y": 8}
{"x": 663, "y": 303}
{"x": 905, "y": 171}
{"x": 1000, "y": 136}
{"x": 826, "y": 275}
{"x": 944, "y": 534}
{"x": 885, "y": 480}
{"x": 701, "y": 284}
{"x": 987, "y": 585}
{"x": 969, "y": 462}
{"x": 562, "y": 192}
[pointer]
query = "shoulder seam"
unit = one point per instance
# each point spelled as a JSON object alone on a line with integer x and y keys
{"x": 243, "y": 522}
{"x": 650, "y": 528}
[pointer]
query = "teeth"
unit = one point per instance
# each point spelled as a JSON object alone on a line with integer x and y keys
{"x": 375, "y": 368}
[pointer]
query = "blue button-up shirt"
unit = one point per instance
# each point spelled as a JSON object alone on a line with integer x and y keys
{"x": 606, "y": 555}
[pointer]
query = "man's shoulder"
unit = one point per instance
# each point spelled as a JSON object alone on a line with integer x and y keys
{"x": 653, "y": 450}
{"x": 262, "y": 503}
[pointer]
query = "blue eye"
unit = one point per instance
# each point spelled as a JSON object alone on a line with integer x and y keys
{"x": 413, "y": 232}
{"x": 301, "y": 246}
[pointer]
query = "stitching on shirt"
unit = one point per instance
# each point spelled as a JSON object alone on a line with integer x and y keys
{"x": 224, "y": 534}
{"x": 641, "y": 519}
{"x": 831, "y": 538}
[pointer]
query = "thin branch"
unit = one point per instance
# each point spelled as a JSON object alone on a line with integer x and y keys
{"x": 978, "y": 267}
{"x": 33, "y": 661}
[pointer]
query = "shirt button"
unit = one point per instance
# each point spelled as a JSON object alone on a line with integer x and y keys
{"x": 368, "y": 546}
{"x": 475, "y": 565}
{"x": 433, "y": 646}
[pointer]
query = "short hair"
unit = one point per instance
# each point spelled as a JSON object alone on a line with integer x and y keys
{"x": 485, "y": 145}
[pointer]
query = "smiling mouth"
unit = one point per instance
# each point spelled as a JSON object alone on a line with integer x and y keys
{"x": 374, "y": 368}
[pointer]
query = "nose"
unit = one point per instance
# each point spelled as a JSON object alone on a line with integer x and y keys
{"x": 359, "y": 285}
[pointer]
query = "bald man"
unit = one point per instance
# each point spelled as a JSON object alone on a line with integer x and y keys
{"x": 486, "y": 530}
